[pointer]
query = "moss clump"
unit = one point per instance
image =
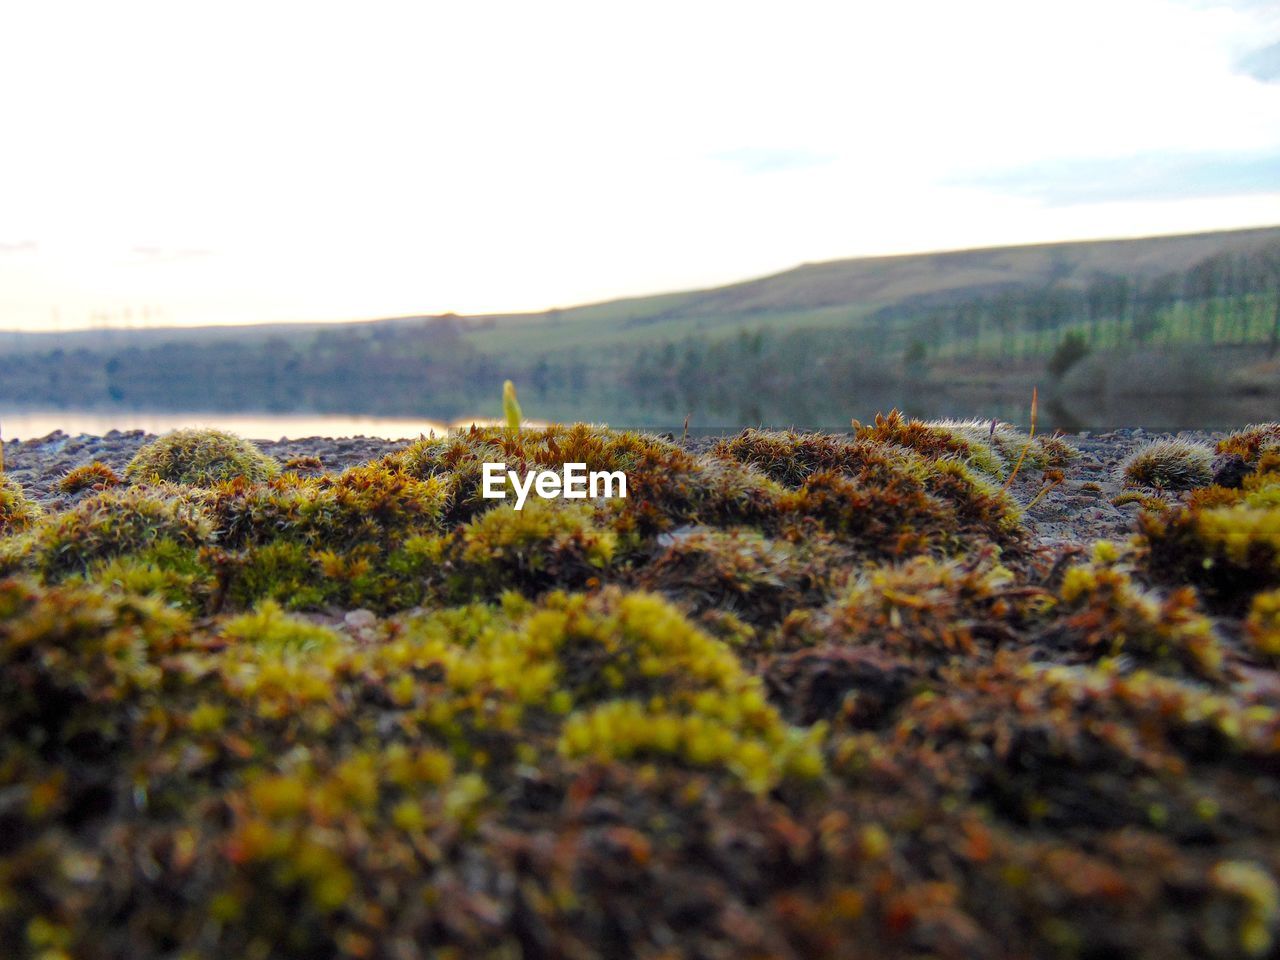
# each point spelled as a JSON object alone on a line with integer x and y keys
{"x": 268, "y": 627}
{"x": 363, "y": 505}
{"x": 361, "y": 538}
{"x": 89, "y": 476}
{"x": 200, "y": 458}
{"x": 925, "y": 609}
{"x": 17, "y": 512}
{"x": 1101, "y": 613}
{"x": 174, "y": 572}
{"x": 791, "y": 458}
{"x": 1168, "y": 465}
{"x": 115, "y": 523}
{"x": 1147, "y": 501}
{"x": 459, "y": 457}
{"x": 669, "y": 690}
{"x": 1084, "y": 747}
{"x": 1252, "y": 442}
{"x": 742, "y": 573}
{"x": 548, "y": 544}
{"x": 1262, "y": 626}
{"x": 990, "y": 447}
{"x": 1228, "y": 553}
{"x": 851, "y": 686}
{"x": 918, "y": 507}
{"x": 304, "y": 464}
{"x": 75, "y": 662}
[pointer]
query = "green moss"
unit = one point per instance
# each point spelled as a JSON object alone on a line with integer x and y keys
{"x": 199, "y": 457}
{"x": 989, "y": 447}
{"x": 166, "y": 569}
{"x": 1262, "y": 626}
{"x": 1228, "y": 553}
{"x": 75, "y": 660}
{"x": 17, "y": 512}
{"x": 548, "y": 544}
{"x": 268, "y": 627}
{"x": 117, "y": 523}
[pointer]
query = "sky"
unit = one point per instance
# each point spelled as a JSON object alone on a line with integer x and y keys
{"x": 173, "y": 163}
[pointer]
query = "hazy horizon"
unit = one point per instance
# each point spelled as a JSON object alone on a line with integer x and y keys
{"x": 294, "y": 164}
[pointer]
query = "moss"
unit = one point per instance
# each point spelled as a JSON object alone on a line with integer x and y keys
{"x": 1168, "y": 465}
{"x": 1102, "y": 613}
{"x": 989, "y": 447}
{"x": 1076, "y": 747}
{"x": 90, "y": 476}
{"x": 1154, "y": 503}
{"x": 199, "y": 457}
{"x": 116, "y": 523}
{"x": 75, "y": 660}
{"x": 268, "y": 627}
{"x": 742, "y": 573}
{"x": 1252, "y": 442}
{"x": 362, "y": 505}
{"x": 459, "y": 457}
{"x": 954, "y": 744}
{"x": 924, "y": 608}
{"x": 546, "y": 545}
{"x": 791, "y": 458}
{"x": 17, "y": 511}
{"x": 1262, "y": 626}
{"x": 940, "y": 509}
{"x": 1228, "y": 553}
{"x": 669, "y": 690}
{"x": 171, "y": 571}
{"x": 304, "y": 464}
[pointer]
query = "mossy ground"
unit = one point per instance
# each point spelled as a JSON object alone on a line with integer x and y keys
{"x": 802, "y": 695}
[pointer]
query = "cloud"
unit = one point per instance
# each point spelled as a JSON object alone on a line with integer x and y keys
{"x": 1149, "y": 176}
{"x": 771, "y": 159}
{"x": 1262, "y": 64}
{"x": 21, "y": 246}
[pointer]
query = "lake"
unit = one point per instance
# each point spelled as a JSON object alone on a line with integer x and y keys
{"x": 1071, "y": 415}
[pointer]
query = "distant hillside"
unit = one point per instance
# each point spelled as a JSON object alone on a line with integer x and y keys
{"x": 821, "y": 295}
{"x": 1186, "y": 318}
{"x": 835, "y": 293}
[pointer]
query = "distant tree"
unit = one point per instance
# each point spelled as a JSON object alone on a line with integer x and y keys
{"x": 915, "y": 358}
{"x": 1071, "y": 349}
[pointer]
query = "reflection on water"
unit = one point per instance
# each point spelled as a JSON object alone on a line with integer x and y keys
{"x": 27, "y": 424}
{"x": 1069, "y": 414}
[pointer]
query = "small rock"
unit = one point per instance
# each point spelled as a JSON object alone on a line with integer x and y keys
{"x": 360, "y": 619}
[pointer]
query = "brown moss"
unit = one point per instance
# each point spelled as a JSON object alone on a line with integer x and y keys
{"x": 741, "y": 573}
{"x": 1252, "y": 441}
{"x": 924, "y": 608}
{"x": 90, "y": 476}
{"x": 1103, "y": 613}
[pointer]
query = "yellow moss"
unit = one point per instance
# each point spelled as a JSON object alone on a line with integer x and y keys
{"x": 1262, "y": 626}
{"x": 269, "y": 628}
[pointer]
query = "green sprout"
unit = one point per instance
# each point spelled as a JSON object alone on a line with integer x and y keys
{"x": 511, "y": 406}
